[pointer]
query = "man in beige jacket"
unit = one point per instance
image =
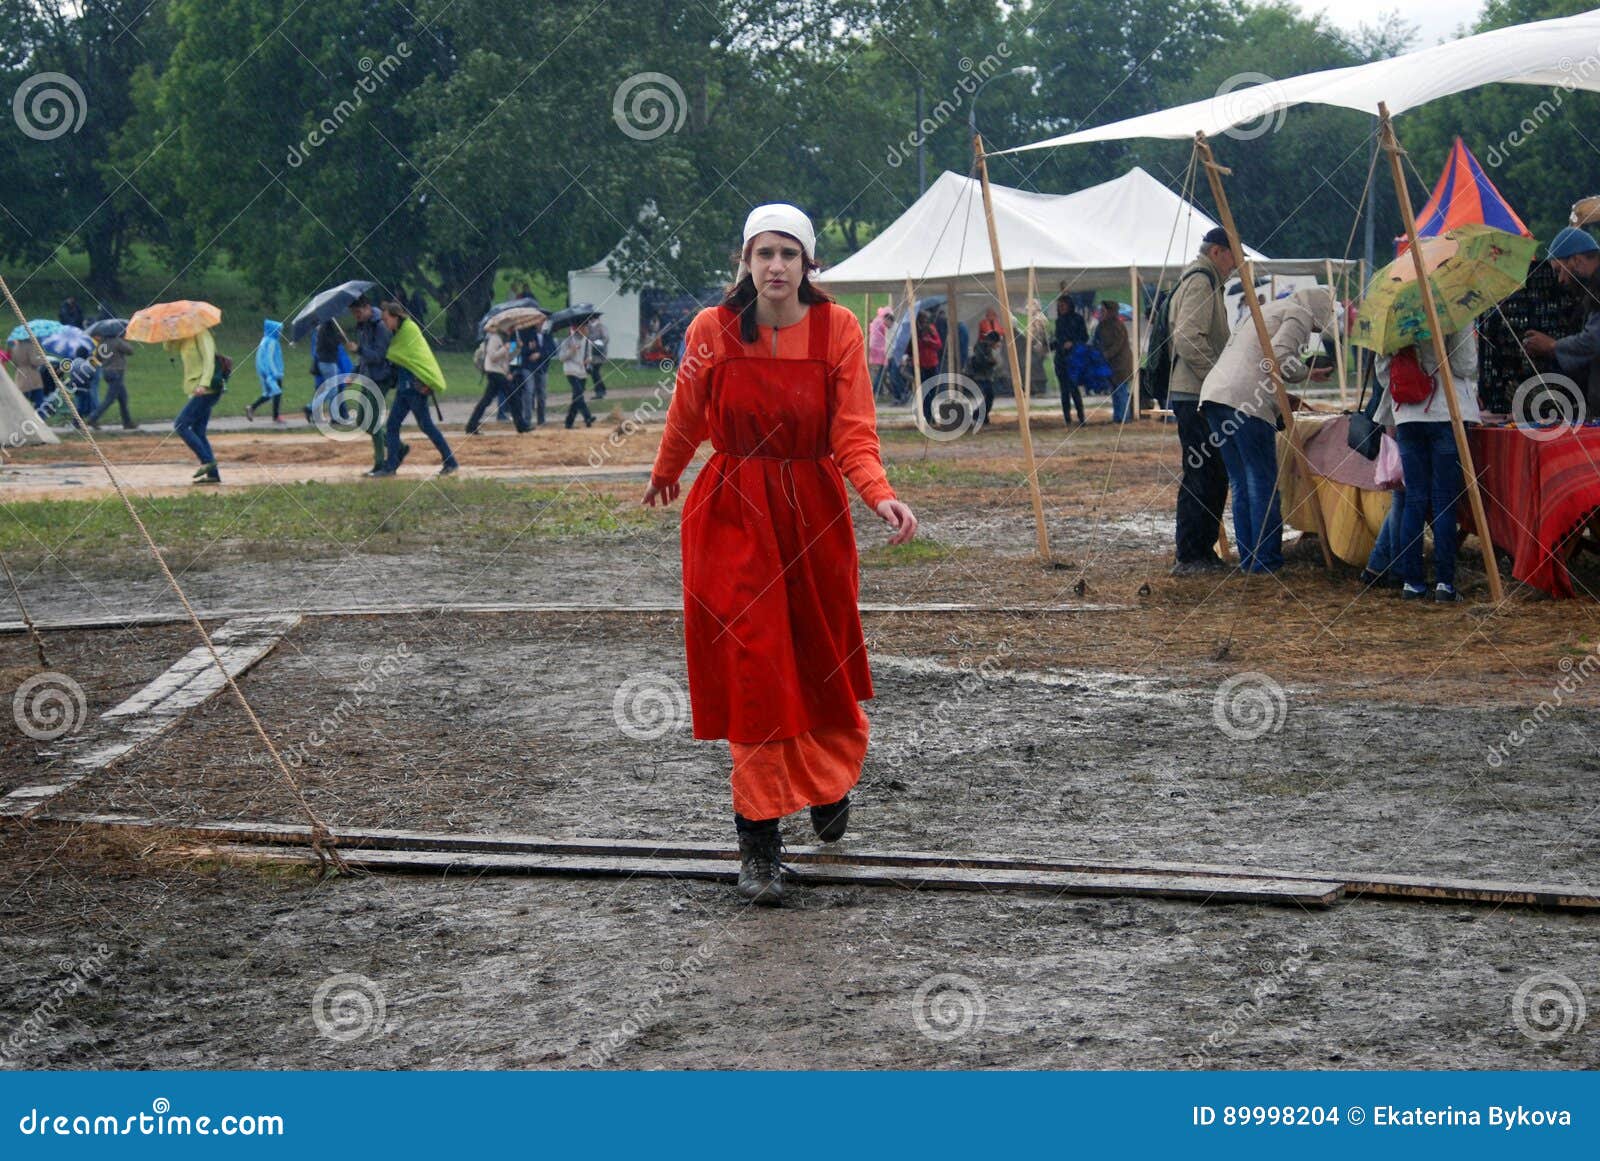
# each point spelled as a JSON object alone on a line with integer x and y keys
{"x": 1198, "y": 321}
{"x": 1240, "y": 404}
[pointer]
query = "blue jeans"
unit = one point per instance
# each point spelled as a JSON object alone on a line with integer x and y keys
{"x": 1387, "y": 548}
{"x": 409, "y": 401}
{"x": 1249, "y": 449}
{"x": 327, "y": 385}
{"x": 87, "y": 398}
{"x": 1121, "y": 395}
{"x": 191, "y": 425}
{"x": 1432, "y": 469}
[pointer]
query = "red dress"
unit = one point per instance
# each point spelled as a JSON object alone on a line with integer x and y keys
{"x": 777, "y": 663}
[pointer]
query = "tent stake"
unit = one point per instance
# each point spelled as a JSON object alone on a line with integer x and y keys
{"x": 1011, "y": 353}
{"x": 1269, "y": 357}
{"x": 1391, "y": 146}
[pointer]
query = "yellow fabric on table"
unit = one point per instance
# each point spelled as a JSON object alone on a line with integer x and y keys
{"x": 1351, "y": 515}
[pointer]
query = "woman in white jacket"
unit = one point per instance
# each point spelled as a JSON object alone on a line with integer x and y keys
{"x": 1431, "y": 464}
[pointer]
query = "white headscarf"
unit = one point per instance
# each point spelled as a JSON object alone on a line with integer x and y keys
{"x": 782, "y": 218}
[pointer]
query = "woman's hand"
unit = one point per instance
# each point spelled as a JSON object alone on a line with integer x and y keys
{"x": 663, "y": 495}
{"x": 900, "y": 518}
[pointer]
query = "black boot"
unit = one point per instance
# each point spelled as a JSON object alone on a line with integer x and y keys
{"x": 761, "y": 861}
{"x": 831, "y": 821}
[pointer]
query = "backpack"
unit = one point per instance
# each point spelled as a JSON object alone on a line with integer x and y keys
{"x": 1157, "y": 375}
{"x": 479, "y": 355}
{"x": 1408, "y": 382}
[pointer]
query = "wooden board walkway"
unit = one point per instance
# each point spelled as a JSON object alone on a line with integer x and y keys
{"x": 392, "y": 849}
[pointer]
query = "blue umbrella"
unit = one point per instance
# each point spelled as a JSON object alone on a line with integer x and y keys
{"x": 329, "y": 304}
{"x": 66, "y": 343}
{"x": 41, "y": 328}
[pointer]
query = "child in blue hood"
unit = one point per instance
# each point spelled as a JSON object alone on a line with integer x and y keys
{"x": 269, "y": 368}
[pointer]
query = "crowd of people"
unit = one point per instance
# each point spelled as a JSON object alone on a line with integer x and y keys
{"x": 1228, "y": 415}
{"x": 1093, "y": 356}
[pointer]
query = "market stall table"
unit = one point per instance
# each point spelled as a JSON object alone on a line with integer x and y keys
{"x": 1542, "y": 486}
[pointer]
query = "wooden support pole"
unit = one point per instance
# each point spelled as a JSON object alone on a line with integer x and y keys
{"x": 1133, "y": 341}
{"x": 916, "y": 357}
{"x": 1269, "y": 357}
{"x": 952, "y": 360}
{"x": 1338, "y": 335}
{"x": 1391, "y": 146}
{"x": 1011, "y": 354}
{"x": 1027, "y": 330}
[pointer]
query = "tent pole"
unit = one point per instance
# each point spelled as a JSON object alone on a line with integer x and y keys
{"x": 1391, "y": 146}
{"x": 1011, "y": 353}
{"x": 952, "y": 313}
{"x": 1133, "y": 340}
{"x": 1027, "y": 330}
{"x": 916, "y": 356}
{"x": 1269, "y": 359}
{"x": 1338, "y": 337}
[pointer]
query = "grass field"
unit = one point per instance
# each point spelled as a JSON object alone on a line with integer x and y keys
{"x": 309, "y": 521}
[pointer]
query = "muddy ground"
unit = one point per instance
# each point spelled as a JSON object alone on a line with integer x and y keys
{"x": 1290, "y": 722}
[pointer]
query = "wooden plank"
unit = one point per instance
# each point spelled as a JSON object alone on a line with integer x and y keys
{"x": 1423, "y": 888}
{"x": 1200, "y": 889}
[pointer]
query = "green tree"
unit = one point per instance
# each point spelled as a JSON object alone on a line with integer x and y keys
{"x": 59, "y": 188}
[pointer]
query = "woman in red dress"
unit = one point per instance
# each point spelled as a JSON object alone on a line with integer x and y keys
{"x": 776, "y": 377}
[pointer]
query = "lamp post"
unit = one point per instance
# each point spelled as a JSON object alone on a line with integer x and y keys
{"x": 972, "y": 109}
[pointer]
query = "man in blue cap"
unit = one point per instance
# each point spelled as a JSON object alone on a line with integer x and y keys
{"x": 1576, "y": 257}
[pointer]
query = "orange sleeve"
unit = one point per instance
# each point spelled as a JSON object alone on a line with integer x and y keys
{"x": 687, "y": 425}
{"x": 853, "y": 433}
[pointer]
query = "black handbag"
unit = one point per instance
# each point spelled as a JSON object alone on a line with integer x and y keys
{"x": 1365, "y": 436}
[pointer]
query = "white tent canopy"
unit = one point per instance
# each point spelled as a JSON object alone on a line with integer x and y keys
{"x": 1562, "y": 53}
{"x": 18, "y": 424}
{"x": 1091, "y": 239}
